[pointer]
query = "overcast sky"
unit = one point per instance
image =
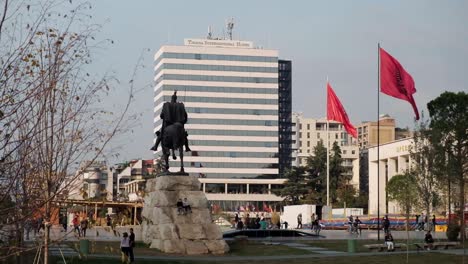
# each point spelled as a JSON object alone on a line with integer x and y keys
{"x": 337, "y": 39}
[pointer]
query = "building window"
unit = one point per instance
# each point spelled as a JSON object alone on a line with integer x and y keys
{"x": 237, "y": 188}
{"x": 308, "y": 126}
{"x": 344, "y": 151}
{"x": 318, "y": 135}
{"x": 308, "y": 144}
{"x": 353, "y": 152}
{"x": 336, "y": 136}
{"x": 214, "y": 188}
{"x": 308, "y": 134}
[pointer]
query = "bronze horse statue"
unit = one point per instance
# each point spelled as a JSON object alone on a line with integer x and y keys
{"x": 172, "y": 135}
{"x": 173, "y": 138}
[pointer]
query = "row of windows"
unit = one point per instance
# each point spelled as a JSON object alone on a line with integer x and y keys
{"x": 241, "y": 188}
{"x": 204, "y": 67}
{"x": 197, "y": 56}
{"x": 209, "y": 78}
{"x": 233, "y": 122}
{"x": 233, "y": 133}
{"x": 234, "y": 175}
{"x": 230, "y": 111}
{"x": 245, "y": 206}
{"x": 232, "y": 143}
{"x": 218, "y": 89}
{"x": 236, "y": 188}
{"x": 227, "y": 122}
{"x": 223, "y": 165}
{"x": 223, "y": 100}
{"x": 231, "y": 154}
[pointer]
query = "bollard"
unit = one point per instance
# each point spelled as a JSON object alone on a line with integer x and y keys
{"x": 351, "y": 245}
{"x": 84, "y": 246}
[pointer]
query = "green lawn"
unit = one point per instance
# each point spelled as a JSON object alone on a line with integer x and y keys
{"x": 342, "y": 245}
{"x": 427, "y": 258}
{"x": 258, "y": 249}
{"x": 247, "y": 248}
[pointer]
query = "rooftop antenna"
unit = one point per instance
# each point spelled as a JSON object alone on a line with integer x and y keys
{"x": 229, "y": 27}
{"x": 210, "y": 33}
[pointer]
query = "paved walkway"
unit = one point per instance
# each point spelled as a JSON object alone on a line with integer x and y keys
{"x": 293, "y": 242}
{"x": 65, "y": 250}
{"x": 223, "y": 259}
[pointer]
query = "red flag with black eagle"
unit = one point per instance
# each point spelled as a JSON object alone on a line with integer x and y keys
{"x": 395, "y": 81}
{"x": 336, "y": 111}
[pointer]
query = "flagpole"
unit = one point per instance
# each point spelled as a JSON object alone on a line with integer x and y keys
{"x": 328, "y": 166}
{"x": 328, "y": 163}
{"x": 378, "y": 141}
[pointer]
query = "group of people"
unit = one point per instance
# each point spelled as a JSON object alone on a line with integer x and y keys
{"x": 354, "y": 225}
{"x": 183, "y": 207}
{"x": 259, "y": 222}
{"x": 127, "y": 244}
{"x": 316, "y": 227}
{"x": 80, "y": 227}
{"x": 422, "y": 222}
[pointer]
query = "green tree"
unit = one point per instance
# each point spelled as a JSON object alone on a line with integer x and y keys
{"x": 449, "y": 129}
{"x": 402, "y": 189}
{"x": 295, "y": 187}
{"x": 337, "y": 180}
{"x": 317, "y": 174}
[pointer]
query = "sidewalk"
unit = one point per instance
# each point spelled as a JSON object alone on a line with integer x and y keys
{"x": 258, "y": 258}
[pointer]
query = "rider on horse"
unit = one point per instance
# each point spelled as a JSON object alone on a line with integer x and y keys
{"x": 172, "y": 112}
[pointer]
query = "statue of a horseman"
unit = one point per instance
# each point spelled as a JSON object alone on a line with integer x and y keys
{"x": 172, "y": 134}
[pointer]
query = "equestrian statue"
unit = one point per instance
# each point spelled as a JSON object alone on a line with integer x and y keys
{"x": 172, "y": 135}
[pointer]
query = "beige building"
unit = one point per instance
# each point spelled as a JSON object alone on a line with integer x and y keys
{"x": 367, "y": 132}
{"x": 394, "y": 159}
{"x": 307, "y": 132}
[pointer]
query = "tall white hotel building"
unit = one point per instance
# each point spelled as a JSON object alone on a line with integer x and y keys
{"x": 232, "y": 94}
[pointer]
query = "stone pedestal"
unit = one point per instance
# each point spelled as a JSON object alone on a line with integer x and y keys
{"x": 193, "y": 233}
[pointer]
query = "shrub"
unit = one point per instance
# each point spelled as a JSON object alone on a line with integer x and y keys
{"x": 453, "y": 230}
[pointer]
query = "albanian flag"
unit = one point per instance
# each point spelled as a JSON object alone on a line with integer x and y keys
{"x": 395, "y": 81}
{"x": 336, "y": 111}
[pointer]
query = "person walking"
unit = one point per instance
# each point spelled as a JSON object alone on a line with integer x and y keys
{"x": 350, "y": 224}
{"x": 63, "y": 222}
{"x": 433, "y": 223}
{"x": 125, "y": 247}
{"x": 386, "y": 224}
{"x": 299, "y": 221}
{"x": 76, "y": 225}
{"x": 108, "y": 220}
{"x": 84, "y": 225}
{"x": 132, "y": 245}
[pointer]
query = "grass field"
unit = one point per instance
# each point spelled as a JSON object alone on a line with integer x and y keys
{"x": 427, "y": 258}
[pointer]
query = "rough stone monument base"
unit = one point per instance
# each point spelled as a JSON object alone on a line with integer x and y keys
{"x": 192, "y": 233}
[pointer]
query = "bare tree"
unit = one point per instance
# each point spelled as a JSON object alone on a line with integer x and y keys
{"x": 51, "y": 116}
{"x": 424, "y": 168}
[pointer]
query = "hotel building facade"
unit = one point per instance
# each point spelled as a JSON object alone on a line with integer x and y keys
{"x": 231, "y": 94}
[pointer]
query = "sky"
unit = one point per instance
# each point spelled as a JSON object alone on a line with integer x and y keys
{"x": 334, "y": 39}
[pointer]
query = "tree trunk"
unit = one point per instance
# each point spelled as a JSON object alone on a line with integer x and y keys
{"x": 46, "y": 228}
{"x": 46, "y": 242}
{"x": 462, "y": 208}
{"x": 449, "y": 200}
{"x": 407, "y": 233}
